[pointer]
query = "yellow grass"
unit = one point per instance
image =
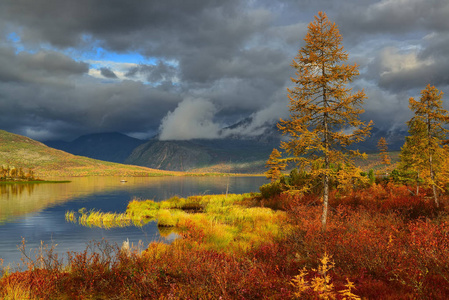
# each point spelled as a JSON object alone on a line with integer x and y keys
{"x": 220, "y": 220}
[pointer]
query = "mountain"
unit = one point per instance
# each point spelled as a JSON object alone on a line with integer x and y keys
{"x": 112, "y": 146}
{"x": 244, "y": 149}
{"x": 220, "y": 155}
{"x": 23, "y": 152}
{"x": 269, "y": 133}
{"x": 247, "y": 130}
{"x": 395, "y": 139}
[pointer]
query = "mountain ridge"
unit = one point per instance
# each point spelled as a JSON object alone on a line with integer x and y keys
{"x": 108, "y": 146}
{"x": 241, "y": 151}
{"x": 200, "y": 153}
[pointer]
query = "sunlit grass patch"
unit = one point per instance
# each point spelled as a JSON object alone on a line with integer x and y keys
{"x": 225, "y": 223}
{"x": 168, "y": 218}
{"x": 220, "y": 222}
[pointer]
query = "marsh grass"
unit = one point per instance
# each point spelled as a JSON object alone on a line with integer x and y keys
{"x": 106, "y": 220}
{"x": 226, "y": 222}
{"x": 223, "y": 220}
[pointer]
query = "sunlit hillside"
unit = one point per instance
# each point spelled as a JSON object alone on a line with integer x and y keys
{"x": 22, "y": 152}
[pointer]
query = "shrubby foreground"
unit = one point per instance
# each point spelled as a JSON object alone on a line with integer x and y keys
{"x": 381, "y": 242}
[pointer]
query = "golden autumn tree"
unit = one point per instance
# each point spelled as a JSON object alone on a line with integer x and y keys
{"x": 412, "y": 158}
{"x": 324, "y": 113}
{"x": 382, "y": 145}
{"x": 430, "y": 113}
{"x": 275, "y": 165}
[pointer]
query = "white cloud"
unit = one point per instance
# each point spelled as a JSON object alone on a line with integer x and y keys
{"x": 260, "y": 120}
{"x": 192, "y": 119}
{"x": 393, "y": 61}
{"x": 119, "y": 68}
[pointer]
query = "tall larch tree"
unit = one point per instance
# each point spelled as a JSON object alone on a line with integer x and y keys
{"x": 382, "y": 145}
{"x": 429, "y": 111}
{"x": 324, "y": 113}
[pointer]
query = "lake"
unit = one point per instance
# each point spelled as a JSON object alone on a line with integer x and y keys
{"x": 36, "y": 212}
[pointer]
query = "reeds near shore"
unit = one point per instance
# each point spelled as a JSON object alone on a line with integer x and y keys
{"x": 224, "y": 219}
{"x": 107, "y": 220}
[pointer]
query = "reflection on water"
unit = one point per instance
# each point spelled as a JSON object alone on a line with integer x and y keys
{"x": 19, "y": 199}
{"x": 37, "y": 211}
{"x": 7, "y": 190}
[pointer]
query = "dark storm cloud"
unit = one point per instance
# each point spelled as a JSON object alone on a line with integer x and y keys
{"x": 108, "y": 73}
{"x": 116, "y": 23}
{"x": 43, "y": 66}
{"x": 396, "y": 16}
{"x": 68, "y": 112}
{"x": 231, "y": 57}
{"x": 194, "y": 32}
{"x": 436, "y": 46}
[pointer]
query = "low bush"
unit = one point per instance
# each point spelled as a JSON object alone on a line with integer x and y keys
{"x": 272, "y": 189}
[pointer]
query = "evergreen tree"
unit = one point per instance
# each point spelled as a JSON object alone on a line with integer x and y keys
{"x": 322, "y": 108}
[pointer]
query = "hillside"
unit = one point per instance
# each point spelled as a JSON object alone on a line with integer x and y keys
{"x": 222, "y": 155}
{"x": 23, "y": 152}
{"x": 110, "y": 146}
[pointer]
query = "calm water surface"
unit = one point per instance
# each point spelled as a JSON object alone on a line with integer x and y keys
{"x": 36, "y": 212}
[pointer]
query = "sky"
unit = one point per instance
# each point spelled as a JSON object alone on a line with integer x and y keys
{"x": 187, "y": 69}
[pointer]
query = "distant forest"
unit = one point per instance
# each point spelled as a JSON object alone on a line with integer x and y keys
{"x": 11, "y": 173}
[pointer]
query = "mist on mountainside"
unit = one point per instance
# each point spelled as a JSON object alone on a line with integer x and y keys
{"x": 242, "y": 147}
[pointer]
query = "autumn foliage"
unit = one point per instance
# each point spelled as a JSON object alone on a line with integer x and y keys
{"x": 322, "y": 107}
{"x": 423, "y": 152}
{"x": 275, "y": 165}
{"x": 381, "y": 242}
{"x": 383, "y": 151}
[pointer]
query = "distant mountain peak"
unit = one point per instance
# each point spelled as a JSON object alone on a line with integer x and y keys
{"x": 108, "y": 146}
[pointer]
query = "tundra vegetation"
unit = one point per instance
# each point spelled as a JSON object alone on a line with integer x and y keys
{"x": 379, "y": 237}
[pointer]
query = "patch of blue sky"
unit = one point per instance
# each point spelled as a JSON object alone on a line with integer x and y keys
{"x": 121, "y": 64}
{"x": 13, "y": 39}
{"x": 100, "y": 54}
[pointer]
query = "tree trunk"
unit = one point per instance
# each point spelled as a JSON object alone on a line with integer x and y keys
{"x": 432, "y": 177}
{"x": 432, "y": 173}
{"x": 325, "y": 202}
{"x": 326, "y": 159}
